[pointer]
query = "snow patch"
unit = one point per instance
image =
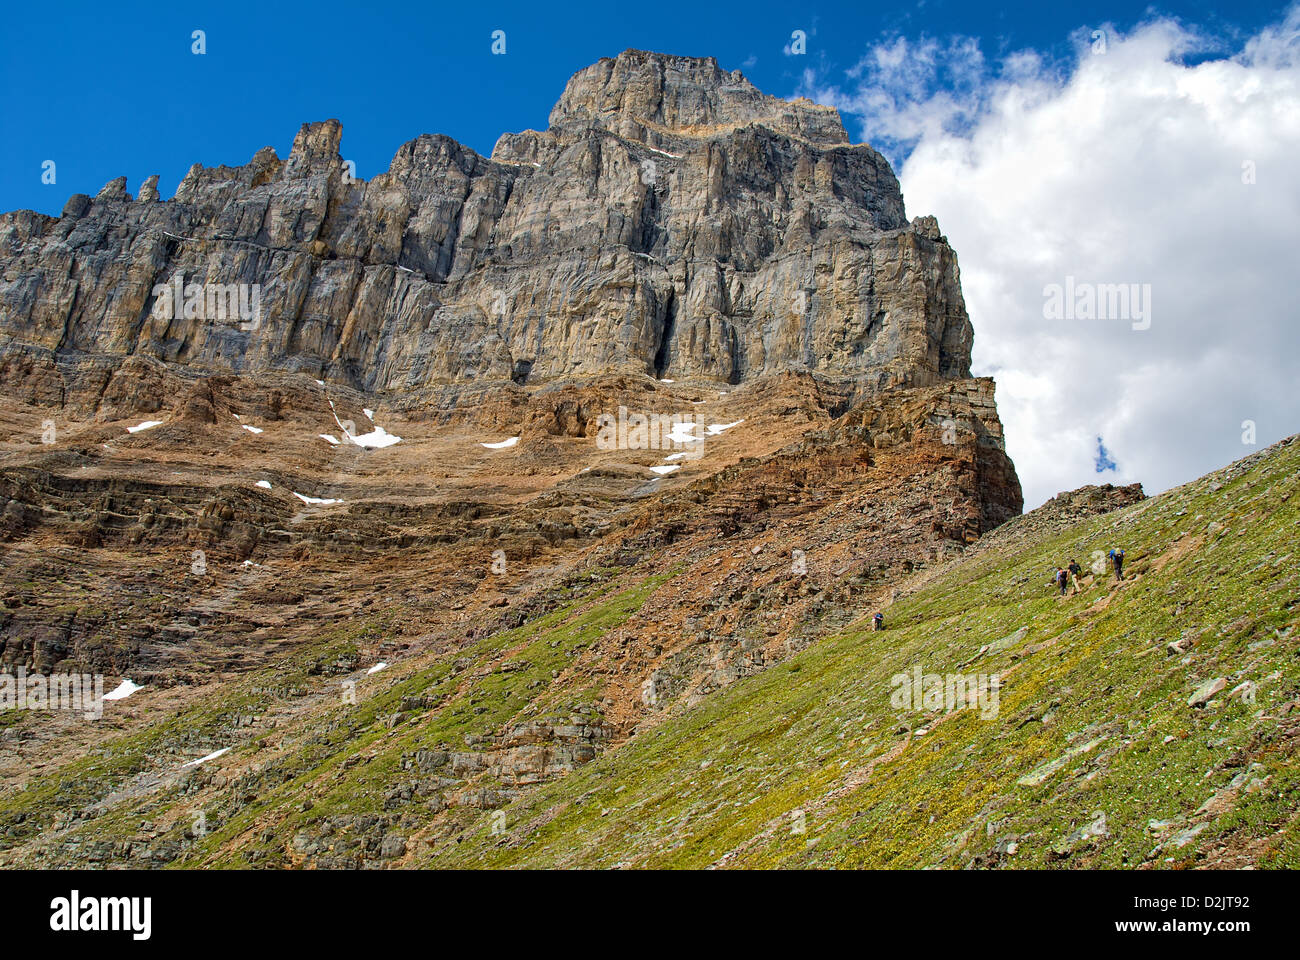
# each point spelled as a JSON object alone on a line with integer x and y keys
{"x": 334, "y": 441}
{"x": 251, "y": 429}
{"x": 370, "y": 414}
{"x": 666, "y": 469}
{"x": 377, "y": 438}
{"x": 264, "y": 484}
{"x": 210, "y": 756}
{"x": 147, "y": 425}
{"x": 123, "y": 690}
{"x": 320, "y": 500}
{"x": 716, "y": 428}
{"x": 376, "y": 668}
{"x": 683, "y": 433}
{"x": 501, "y": 445}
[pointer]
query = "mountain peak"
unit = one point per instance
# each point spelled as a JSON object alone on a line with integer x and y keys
{"x": 673, "y": 222}
{"x": 640, "y": 89}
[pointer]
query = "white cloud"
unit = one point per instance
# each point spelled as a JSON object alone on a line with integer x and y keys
{"x": 1122, "y": 167}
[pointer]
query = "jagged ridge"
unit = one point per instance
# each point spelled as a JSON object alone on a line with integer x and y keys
{"x": 673, "y": 221}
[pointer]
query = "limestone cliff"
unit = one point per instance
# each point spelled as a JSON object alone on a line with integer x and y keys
{"x": 673, "y": 221}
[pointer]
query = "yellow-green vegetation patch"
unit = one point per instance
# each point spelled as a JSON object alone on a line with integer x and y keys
{"x": 1095, "y": 756}
{"x": 472, "y": 695}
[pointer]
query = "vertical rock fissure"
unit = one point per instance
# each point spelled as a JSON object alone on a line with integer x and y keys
{"x": 663, "y": 355}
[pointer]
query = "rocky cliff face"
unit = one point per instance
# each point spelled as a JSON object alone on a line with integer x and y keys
{"x": 673, "y": 221}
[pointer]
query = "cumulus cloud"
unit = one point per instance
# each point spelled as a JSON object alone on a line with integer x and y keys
{"x": 1163, "y": 157}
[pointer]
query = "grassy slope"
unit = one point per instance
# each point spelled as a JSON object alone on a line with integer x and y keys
{"x": 724, "y": 783}
{"x": 478, "y": 700}
{"x": 344, "y": 758}
{"x": 721, "y": 783}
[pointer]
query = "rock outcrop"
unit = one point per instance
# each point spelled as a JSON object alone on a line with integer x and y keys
{"x": 673, "y": 221}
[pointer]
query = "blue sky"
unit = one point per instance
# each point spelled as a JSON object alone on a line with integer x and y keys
{"x": 106, "y": 92}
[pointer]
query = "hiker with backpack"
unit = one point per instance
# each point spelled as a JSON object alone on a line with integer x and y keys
{"x": 1061, "y": 577}
{"x": 878, "y": 621}
{"x": 1076, "y": 572}
{"x": 1117, "y": 560}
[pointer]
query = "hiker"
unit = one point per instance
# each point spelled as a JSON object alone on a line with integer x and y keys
{"x": 1076, "y": 572}
{"x": 1061, "y": 577}
{"x": 1117, "y": 560}
{"x": 878, "y": 621}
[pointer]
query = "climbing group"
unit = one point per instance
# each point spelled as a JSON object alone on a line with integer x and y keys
{"x": 1068, "y": 576}
{"x": 1071, "y": 574}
